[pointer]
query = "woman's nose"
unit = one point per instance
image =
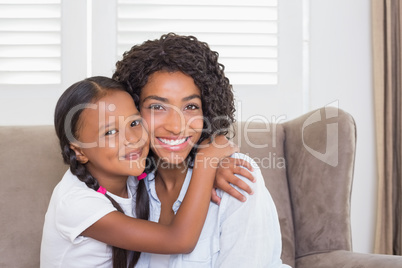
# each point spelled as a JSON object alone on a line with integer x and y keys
{"x": 175, "y": 121}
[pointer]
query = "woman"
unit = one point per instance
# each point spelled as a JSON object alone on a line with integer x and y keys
{"x": 185, "y": 98}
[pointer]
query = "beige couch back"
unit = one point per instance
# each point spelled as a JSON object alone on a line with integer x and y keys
{"x": 31, "y": 166}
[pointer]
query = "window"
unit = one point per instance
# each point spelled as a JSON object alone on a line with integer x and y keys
{"x": 30, "y": 42}
{"x": 43, "y": 50}
{"x": 46, "y": 45}
{"x": 243, "y": 32}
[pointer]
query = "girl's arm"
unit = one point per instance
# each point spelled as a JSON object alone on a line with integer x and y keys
{"x": 182, "y": 234}
{"x": 225, "y": 176}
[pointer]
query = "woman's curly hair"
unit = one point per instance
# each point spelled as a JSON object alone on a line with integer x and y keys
{"x": 186, "y": 54}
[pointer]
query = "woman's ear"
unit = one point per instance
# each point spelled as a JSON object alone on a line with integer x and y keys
{"x": 81, "y": 157}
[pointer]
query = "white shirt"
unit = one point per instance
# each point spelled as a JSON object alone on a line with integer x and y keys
{"x": 72, "y": 209}
{"x": 235, "y": 234}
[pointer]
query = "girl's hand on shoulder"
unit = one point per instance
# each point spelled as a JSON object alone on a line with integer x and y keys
{"x": 217, "y": 148}
{"x": 225, "y": 176}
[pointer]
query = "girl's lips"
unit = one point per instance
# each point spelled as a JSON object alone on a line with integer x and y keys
{"x": 175, "y": 144}
{"x": 133, "y": 155}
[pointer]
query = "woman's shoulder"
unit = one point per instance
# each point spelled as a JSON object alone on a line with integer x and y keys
{"x": 258, "y": 186}
{"x": 260, "y": 200}
{"x": 247, "y": 158}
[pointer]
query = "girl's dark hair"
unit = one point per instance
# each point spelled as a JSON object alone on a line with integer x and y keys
{"x": 82, "y": 93}
{"x": 190, "y": 56}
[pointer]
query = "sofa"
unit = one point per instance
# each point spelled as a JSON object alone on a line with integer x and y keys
{"x": 307, "y": 165}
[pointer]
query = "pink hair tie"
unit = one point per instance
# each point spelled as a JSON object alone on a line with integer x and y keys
{"x": 101, "y": 190}
{"x": 143, "y": 175}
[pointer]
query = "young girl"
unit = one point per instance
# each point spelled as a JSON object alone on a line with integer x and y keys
{"x": 185, "y": 99}
{"x": 103, "y": 141}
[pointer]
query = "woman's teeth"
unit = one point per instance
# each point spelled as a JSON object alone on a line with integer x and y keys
{"x": 173, "y": 142}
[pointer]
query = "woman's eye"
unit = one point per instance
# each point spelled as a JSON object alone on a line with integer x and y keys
{"x": 155, "y": 107}
{"x": 191, "y": 107}
{"x": 136, "y": 123}
{"x": 111, "y": 132}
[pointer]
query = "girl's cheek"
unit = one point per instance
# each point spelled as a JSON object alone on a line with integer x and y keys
{"x": 109, "y": 141}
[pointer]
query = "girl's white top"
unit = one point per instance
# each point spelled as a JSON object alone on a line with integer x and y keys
{"x": 73, "y": 208}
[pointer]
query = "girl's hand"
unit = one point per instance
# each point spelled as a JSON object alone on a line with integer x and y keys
{"x": 217, "y": 152}
{"x": 225, "y": 175}
{"x": 217, "y": 149}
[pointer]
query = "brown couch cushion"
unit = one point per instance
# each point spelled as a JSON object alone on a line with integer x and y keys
{"x": 31, "y": 167}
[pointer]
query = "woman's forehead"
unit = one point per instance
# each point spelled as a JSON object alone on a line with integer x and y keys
{"x": 170, "y": 85}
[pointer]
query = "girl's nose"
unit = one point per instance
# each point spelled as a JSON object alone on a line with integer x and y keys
{"x": 133, "y": 135}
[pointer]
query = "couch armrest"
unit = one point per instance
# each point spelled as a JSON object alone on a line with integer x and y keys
{"x": 348, "y": 259}
{"x": 320, "y": 154}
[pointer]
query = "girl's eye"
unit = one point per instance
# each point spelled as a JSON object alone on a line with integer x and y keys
{"x": 111, "y": 132}
{"x": 136, "y": 123}
{"x": 191, "y": 107}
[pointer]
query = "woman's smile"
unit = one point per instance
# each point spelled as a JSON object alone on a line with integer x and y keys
{"x": 171, "y": 106}
{"x": 174, "y": 144}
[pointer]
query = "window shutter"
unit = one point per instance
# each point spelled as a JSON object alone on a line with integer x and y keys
{"x": 245, "y": 33}
{"x": 30, "y": 42}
